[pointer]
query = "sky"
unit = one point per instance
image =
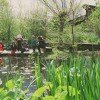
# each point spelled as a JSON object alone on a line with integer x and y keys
{"x": 26, "y": 6}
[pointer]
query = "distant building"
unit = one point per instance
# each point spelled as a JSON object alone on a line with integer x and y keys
{"x": 89, "y": 9}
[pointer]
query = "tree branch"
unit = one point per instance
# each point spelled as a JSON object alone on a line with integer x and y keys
{"x": 48, "y": 5}
{"x": 55, "y": 2}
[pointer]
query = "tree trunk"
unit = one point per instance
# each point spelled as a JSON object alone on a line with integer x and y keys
{"x": 73, "y": 35}
{"x": 61, "y": 22}
{"x": 73, "y": 15}
{"x": 61, "y": 26}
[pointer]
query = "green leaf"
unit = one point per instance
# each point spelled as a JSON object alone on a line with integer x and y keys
{"x": 1, "y": 89}
{"x": 38, "y": 92}
{"x": 49, "y": 85}
{"x": 11, "y": 94}
{"x": 59, "y": 89}
{"x": 62, "y": 96}
{"x": 71, "y": 90}
{"x": 3, "y": 93}
{"x": 7, "y": 98}
{"x": 10, "y": 84}
{"x": 48, "y": 98}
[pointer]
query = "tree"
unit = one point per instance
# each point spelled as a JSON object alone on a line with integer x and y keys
{"x": 59, "y": 8}
{"x": 73, "y": 12}
{"x": 37, "y": 23}
{"x": 63, "y": 9}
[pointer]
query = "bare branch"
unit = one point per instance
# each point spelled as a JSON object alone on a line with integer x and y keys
{"x": 48, "y": 5}
{"x": 65, "y": 5}
{"x": 55, "y": 2}
{"x": 61, "y": 3}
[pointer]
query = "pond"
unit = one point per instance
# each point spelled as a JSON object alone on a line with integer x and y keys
{"x": 14, "y": 67}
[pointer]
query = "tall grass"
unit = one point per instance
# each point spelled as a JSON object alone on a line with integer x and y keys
{"x": 77, "y": 78}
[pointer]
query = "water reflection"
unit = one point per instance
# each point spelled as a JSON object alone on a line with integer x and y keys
{"x": 14, "y": 67}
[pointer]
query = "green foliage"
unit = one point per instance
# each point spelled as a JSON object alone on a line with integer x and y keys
{"x": 5, "y": 20}
{"x": 76, "y": 78}
{"x": 37, "y": 23}
{"x": 12, "y": 90}
{"x": 10, "y": 25}
{"x": 38, "y": 74}
{"x": 48, "y": 98}
{"x": 54, "y": 23}
{"x": 83, "y": 37}
{"x": 10, "y": 84}
{"x": 68, "y": 82}
{"x": 38, "y": 93}
{"x": 94, "y": 21}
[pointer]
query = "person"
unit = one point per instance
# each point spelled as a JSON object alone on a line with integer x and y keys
{"x": 1, "y": 49}
{"x": 19, "y": 40}
{"x": 42, "y": 44}
{"x": 34, "y": 43}
{"x": 25, "y": 46}
{"x": 1, "y": 46}
{"x": 13, "y": 47}
{"x": 1, "y": 60}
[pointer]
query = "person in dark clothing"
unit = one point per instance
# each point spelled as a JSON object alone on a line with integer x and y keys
{"x": 13, "y": 47}
{"x": 19, "y": 45}
{"x": 19, "y": 40}
{"x": 25, "y": 47}
{"x": 34, "y": 43}
{"x": 42, "y": 44}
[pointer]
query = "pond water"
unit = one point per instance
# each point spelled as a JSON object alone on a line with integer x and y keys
{"x": 13, "y": 67}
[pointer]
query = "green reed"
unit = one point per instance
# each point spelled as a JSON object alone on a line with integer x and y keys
{"x": 77, "y": 78}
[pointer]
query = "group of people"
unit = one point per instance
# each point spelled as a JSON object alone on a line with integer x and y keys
{"x": 19, "y": 44}
{"x": 38, "y": 44}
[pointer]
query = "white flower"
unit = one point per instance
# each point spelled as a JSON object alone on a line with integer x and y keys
{"x": 72, "y": 70}
{"x": 0, "y": 81}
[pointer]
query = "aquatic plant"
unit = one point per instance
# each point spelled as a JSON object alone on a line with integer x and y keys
{"x": 80, "y": 82}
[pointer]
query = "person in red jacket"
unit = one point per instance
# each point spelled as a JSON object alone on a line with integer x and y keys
{"x": 1, "y": 46}
{"x": 1, "y": 49}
